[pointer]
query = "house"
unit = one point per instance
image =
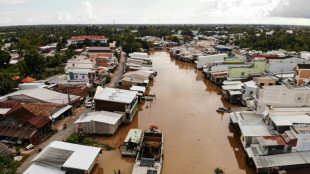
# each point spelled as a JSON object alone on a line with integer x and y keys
{"x": 145, "y": 75}
{"x": 80, "y": 39}
{"x": 94, "y": 52}
{"x": 80, "y": 62}
{"x": 111, "y": 99}
{"x": 61, "y": 157}
{"x": 281, "y": 96}
{"x": 204, "y": 60}
{"x": 100, "y": 122}
{"x": 35, "y": 116}
{"x": 81, "y": 75}
{"x": 243, "y": 72}
{"x": 134, "y": 81}
{"x": 284, "y": 65}
{"x": 302, "y": 72}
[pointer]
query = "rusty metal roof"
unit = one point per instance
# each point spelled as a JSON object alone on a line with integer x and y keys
{"x": 17, "y": 132}
{"x": 39, "y": 121}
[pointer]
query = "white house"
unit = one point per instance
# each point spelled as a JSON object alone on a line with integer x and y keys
{"x": 79, "y": 39}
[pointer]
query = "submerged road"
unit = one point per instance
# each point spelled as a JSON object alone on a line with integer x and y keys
{"x": 197, "y": 139}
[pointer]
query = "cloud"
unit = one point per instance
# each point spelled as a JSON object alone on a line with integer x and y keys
{"x": 292, "y": 9}
{"x": 13, "y": 1}
{"x": 88, "y": 10}
{"x": 63, "y": 17}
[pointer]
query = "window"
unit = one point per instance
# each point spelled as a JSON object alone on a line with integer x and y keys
{"x": 262, "y": 84}
{"x": 73, "y": 64}
{"x": 242, "y": 73}
{"x": 76, "y": 76}
{"x": 298, "y": 98}
{"x": 83, "y": 77}
{"x": 270, "y": 84}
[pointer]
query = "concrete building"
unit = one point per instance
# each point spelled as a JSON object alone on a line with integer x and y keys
{"x": 243, "y": 72}
{"x": 281, "y": 96}
{"x": 61, "y": 157}
{"x": 204, "y": 60}
{"x": 111, "y": 99}
{"x": 80, "y": 39}
{"x": 284, "y": 65}
{"x": 302, "y": 73}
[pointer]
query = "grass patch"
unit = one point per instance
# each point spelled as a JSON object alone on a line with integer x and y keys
{"x": 81, "y": 139}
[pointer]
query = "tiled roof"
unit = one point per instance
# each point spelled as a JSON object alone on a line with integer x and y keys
{"x": 28, "y": 79}
{"x": 86, "y": 37}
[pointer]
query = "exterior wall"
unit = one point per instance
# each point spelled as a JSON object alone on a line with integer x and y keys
{"x": 282, "y": 97}
{"x": 244, "y": 72}
{"x": 285, "y": 65}
{"x": 94, "y": 127}
{"x": 109, "y": 106}
{"x": 77, "y": 77}
{"x": 265, "y": 82}
{"x": 93, "y": 55}
{"x": 301, "y": 75}
{"x": 303, "y": 143}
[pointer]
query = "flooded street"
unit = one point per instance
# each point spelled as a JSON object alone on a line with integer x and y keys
{"x": 197, "y": 139}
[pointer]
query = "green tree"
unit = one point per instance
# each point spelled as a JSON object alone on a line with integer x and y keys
{"x": 33, "y": 64}
{"x": 22, "y": 46}
{"x": 7, "y": 165}
{"x": 5, "y": 58}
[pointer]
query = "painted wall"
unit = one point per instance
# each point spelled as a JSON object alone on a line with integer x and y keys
{"x": 258, "y": 67}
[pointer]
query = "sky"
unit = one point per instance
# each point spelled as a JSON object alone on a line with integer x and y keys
{"x": 32, "y": 12}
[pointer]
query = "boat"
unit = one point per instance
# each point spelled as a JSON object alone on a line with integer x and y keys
{"x": 132, "y": 143}
{"x": 223, "y": 109}
{"x": 149, "y": 159}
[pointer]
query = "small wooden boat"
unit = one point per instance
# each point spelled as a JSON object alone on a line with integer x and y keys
{"x": 149, "y": 159}
{"x": 223, "y": 109}
{"x": 132, "y": 143}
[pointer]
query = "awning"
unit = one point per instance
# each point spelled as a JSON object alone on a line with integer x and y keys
{"x": 60, "y": 111}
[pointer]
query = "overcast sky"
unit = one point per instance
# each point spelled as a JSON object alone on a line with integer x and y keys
{"x": 29, "y": 12}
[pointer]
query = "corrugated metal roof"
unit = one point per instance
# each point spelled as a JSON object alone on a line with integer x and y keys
{"x": 288, "y": 120}
{"x": 16, "y": 132}
{"x": 253, "y": 128}
{"x": 39, "y": 168}
{"x": 39, "y": 121}
{"x": 271, "y": 140}
{"x": 81, "y": 158}
{"x": 287, "y": 159}
{"x": 101, "y": 116}
{"x": 43, "y": 94}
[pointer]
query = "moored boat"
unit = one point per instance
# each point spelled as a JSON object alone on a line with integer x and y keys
{"x": 149, "y": 159}
{"x": 132, "y": 143}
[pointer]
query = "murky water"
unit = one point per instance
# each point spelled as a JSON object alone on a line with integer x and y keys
{"x": 197, "y": 139}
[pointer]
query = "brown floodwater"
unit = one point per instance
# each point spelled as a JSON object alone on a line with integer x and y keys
{"x": 197, "y": 139}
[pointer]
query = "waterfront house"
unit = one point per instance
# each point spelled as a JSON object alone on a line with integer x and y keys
{"x": 281, "y": 96}
{"x": 302, "y": 73}
{"x": 111, "y": 99}
{"x": 61, "y": 157}
{"x": 204, "y": 60}
{"x": 284, "y": 65}
{"x": 134, "y": 81}
{"x": 100, "y": 122}
{"x": 244, "y": 72}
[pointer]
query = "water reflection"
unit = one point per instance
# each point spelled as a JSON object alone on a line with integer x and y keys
{"x": 197, "y": 138}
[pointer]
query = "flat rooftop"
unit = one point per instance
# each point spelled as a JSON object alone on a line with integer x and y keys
{"x": 116, "y": 95}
